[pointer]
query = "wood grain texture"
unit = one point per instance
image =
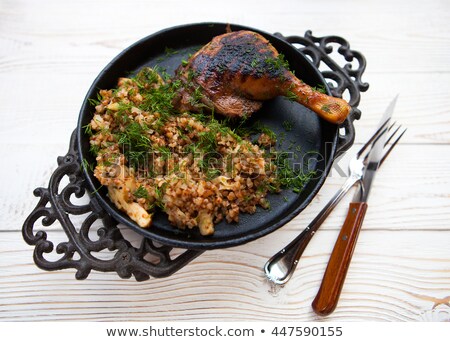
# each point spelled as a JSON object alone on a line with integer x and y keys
{"x": 388, "y": 280}
{"x": 51, "y": 51}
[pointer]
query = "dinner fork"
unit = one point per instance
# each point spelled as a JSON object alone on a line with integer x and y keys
{"x": 281, "y": 266}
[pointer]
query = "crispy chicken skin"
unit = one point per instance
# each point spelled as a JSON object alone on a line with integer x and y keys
{"x": 236, "y": 71}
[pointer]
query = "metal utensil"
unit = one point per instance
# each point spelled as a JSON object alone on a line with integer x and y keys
{"x": 282, "y": 265}
{"x": 327, "y": 298}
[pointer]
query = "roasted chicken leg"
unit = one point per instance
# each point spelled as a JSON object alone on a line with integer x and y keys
{"x": 234, "y": 72}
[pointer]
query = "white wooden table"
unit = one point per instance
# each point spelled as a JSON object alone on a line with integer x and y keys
{"x": 51, "y": 51}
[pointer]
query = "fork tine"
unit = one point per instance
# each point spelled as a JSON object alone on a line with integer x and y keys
{"x": 393, "y": 144}
{"x": 392, "y": 135}
{"x": 387, "y": 129}
{"x": 392, "y": 125}
{"x": 378, "y": 133}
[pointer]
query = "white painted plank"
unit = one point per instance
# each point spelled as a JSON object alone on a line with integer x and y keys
{"x": 396, "y": 276}
{"x": 406, "y": 31}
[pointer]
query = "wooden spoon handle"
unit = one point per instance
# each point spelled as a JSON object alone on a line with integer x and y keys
{"x": 334, "y": 278}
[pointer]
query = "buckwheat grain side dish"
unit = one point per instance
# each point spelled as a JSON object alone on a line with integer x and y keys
{"x": 194, "y": 167}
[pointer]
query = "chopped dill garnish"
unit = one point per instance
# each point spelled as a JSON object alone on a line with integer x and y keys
{"x": 170, "y": 52}
{"x": 159, "y": 193}
{"x": 287, "y": 176}
{"x": 277, "y": 63}
{"x": 291, "y": 145}
{"x": 134, "y": 135}
{"x": 326, "y": 108}
{"x": 141, "y": 192}
{"x": 256, "y": 128}
{"x": 147, "y": 77}
{"x": 136, "y": 158}
{"x": 86, "y": 166}
{"x": 192, "y": 148}
{"x": 159, "y": 100}
{"x": 212, "y": 173}
{"x": 88, "y": 129}
{"x": 95, "y": 102}
{"x": 320, "y": 88}
{"x": 96, "y": 190}
{"x": 207, "y": 141}
{"x": 282, "y": 136}
{"x": 196, "y": 97}
{"x": 135, "y": 143}
{"x": 165, "y": 152}
{"x": 94, "y": 149}
{"x": 288, "y": 125}
{"x": 290, "y": 95}
{"x": 254, "y": 63}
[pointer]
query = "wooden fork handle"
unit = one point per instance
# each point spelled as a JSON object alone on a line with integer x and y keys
{"x": 334, "y": 278}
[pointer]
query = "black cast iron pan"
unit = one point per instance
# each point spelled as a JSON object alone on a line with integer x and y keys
{"x": 313, "y": 142}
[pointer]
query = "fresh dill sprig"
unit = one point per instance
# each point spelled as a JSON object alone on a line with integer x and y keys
{"x": 277, "y": 63}
{"x": 159, "y": 194}
{"x": 288, "y": 125}
{"x": 141, "y": 192}
{"x": 320, "y": 88}
{"x": 96, "y": 102}
{"x": 326, "y": 108}
{"x": 165, "y": 152}
{"x": 212, "y": 173}
{"x": 159, "y": 99}
{"x": 254, "y": 63}
{"x": 88, "y": 129}
{"x": 170, "y": 51}
{"x": 94, "y": 149}
{"x": 291, "y": 96}
{"x": 135, "y": 143}
{"x": 287, "y": 176}
{"x": 86, "y": 166}
{"x": 196, "y": 97}
{"x": 255, "y": 128}
{"x": 135, "y": 135}
{"x": 147, "y": 77}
